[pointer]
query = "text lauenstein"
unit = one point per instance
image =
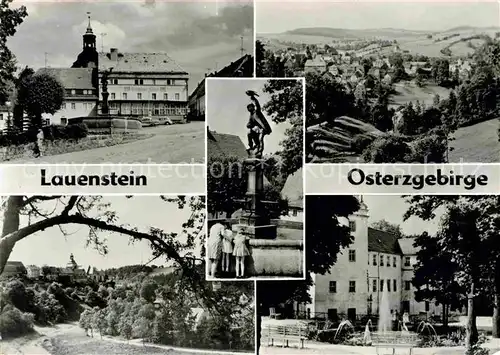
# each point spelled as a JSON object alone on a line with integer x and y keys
{"x": 112, "y": 179}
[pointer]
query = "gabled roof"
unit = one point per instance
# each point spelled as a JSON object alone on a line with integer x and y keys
{"x": 406, "y": 245}
{"x": 71, "y": 78}
{"x": 222, "y": 144}
{"x": 140, "y": 62}
{"x": 293, "y": 190}
{"x": 382, "y": 242}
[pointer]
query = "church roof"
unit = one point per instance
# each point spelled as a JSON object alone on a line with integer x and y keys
{"x": 71, "y": 78}
{"x": 140, "y": 62}
{"x": 382, "y": 242}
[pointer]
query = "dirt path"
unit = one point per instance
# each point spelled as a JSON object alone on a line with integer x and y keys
{"x": 176, "y": 144}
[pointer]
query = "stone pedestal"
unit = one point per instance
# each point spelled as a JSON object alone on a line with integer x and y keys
{"x": 254, "y": 222}
{"x": 105, "y": 104}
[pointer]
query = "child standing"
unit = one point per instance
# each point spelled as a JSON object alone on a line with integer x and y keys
{"x": 227, "y": 249}
{"x": 240, "y": 252}
{"x": 214, "y": 245}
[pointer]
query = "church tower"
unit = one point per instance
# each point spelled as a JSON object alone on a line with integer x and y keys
{"x": 88, "y": 57}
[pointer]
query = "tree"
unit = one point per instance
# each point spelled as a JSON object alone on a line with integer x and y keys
{"x": 98, "y": 215}
{"x": 469, "y": 230}
{"x": 435, "y": 275}
{"x": 392, "y": 228}
{"x": 286, "y": 105}
{"x": 148, "y": 290}
{"x": 326, "y": 237}
{"x": 10, "y": 19}
{"x": 99, "y": 321}
{"x": 38, "y": 94}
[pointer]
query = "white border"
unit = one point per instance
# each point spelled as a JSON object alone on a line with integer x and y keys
{"x": 304, "y": 271}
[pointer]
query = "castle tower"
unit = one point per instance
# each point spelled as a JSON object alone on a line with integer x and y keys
{"x": 89, "y": 38}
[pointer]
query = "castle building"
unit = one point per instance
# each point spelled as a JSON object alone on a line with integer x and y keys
{"x": 377, "y": 262}
{"x": 139, "y": 84}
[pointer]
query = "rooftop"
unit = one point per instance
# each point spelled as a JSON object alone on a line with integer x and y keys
{"x": 140, "y": 62}
{"x": 293, "y": 189}
{"x": 406, "y": 245}
{"x": 71, "y": 78}
{"x": 223, "y": 144}
{"x": 382, "y": 242}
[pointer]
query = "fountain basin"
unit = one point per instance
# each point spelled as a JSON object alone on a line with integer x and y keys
{"x": 394, "y": 337}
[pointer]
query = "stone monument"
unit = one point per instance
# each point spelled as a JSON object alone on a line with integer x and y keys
{"x": 105, "y": 93}
{"x": 254, "y": 221}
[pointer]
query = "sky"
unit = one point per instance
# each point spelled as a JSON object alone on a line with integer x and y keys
{"x": 391, "y": 208}
{"x": 227, "y": 112}
{"x": 282, "y": 16}
{"x": 200, "y": 36}
{"x": 51, "y": 247}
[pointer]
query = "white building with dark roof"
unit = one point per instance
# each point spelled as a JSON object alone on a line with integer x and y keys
{"x": 80, "y": 98}
{"x": 144, "y": 84}
{"x": 376, "y": 262}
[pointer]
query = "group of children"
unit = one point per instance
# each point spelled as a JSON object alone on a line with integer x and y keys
{"x": 223, "y": 244}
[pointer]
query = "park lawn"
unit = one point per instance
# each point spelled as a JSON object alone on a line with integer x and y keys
{"x": 476, "y": 144}
{"x": 409, "y": 92}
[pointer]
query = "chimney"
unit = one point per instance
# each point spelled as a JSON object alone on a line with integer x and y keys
{"x": 113, "y": 54}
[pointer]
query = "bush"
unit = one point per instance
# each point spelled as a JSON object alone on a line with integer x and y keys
{"x": 429, "y": 149}
{"x": 360, "y": 143}
{"x": 391, "y": 149}
{"x": 51, "y": 133}
{"x": 14, "y": 323}
{"x": 97, "y": 122}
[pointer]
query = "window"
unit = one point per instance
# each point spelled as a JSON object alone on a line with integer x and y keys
{"x": 352, "y": 255}
{"x": 407, "y": 261}
{"x": 63, "y": 106}
{"x": 375, "y": 259}
{"x": 388, "y": 261}
{"x": 394, "y": 261}
{"x": 294, "y": 213}
{"x": 381, "y": 285}
{"x": 374, "y": 285}
{"x": 153, "y": 96}
{"x": 352, "y": 286}
{"x": 115, "y": 81}
{"x": 332, "y": 314}
{"x": 394, "y": 287}
{"x": 124, "y": 96}
{"x": 407, "y": 285}
{"x": 113, "y": 96}
{"x": 139, "y": 96}
{"x": 388, "y": 285}
{"x": 169, "y": 82}
{"x": 333, "y": 286}
{"x": 73, "y": 92}
{"x": 73, "y": 106}
{"x": 64, "y": 120}
{"x": 381, "y": 260}
{"x": 138, "y": 82}
{"x": 177, "y": 96}
{"x": 165, "y": 96}
{"x": 352, "y": 226}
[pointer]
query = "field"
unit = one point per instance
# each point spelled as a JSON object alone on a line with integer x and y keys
{"x": 477, "y": 143}
{"x": 409, "y": 91}
{"x": 413, "y": 42}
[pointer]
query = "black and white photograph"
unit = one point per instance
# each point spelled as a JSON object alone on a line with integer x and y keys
{"x": 255, "y": 178}
{"x": 389, "y": 81}
{"x": 390, "y": 274}
{"x": 115, "y": 81}
{"x": 115, "y": 275}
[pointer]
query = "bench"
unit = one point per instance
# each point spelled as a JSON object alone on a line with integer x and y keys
{"x": 286, "y": 334}
{"x": 381, "y": 346}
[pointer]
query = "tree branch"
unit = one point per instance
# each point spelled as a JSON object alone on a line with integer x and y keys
{"x": 36, "y": 198}
{"x": 71, "y": 203}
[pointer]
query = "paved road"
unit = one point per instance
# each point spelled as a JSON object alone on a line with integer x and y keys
{"x": 176, "y": 144}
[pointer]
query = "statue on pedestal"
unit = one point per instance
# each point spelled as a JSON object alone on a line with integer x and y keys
{"x": 257, "y": 125}
{"x": 105, "y": 94}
